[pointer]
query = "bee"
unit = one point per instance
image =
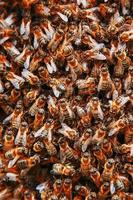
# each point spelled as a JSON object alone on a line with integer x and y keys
{"x": 5, "y": 34}
{"x": 63, "y": 169}
{"x": 84, "y": 141}
{"x": 126, "y": 36}
{"x": 107, "y": 148}
{"x": 6, "y": 108}
{"x": 52, "y": 106}
{"x": 99, "y": 154}
{"x": 87, "y": 86}
{"x": 128, "y": 133}
{"x": 100, "y": 134}
{"x": 39, "y": 118}
{"x": 85, "y": 164}
{"x": 118, "y": 104}
{"x": 40, "y": 39}
{"x": 14, "y": 154}
{"x": 8, "y": 142}
{"x": 29, "y": 195}
{"x": 57, "y": 86}
{"x": 30, "y": 77}
{"x": 56, "y": 40}
{"x": 43, "y": 74}
{"x": 105, "y": 10}
{"x": 105, "y": 82}
{"x": 109, "y": 167}
{"x": 74, "y": 66}
{"x": 118, "y": 125}
{"x": 50, "y": 64}
{"x": 126, "y": 148}
{"x": 6, "y": 193}
{"x": 118, "y": 86}
{"x": 95, "y": 176}
{"x": 67, "y": 188}
{"x": 14, "y": 96}
{"x": 47, "y": 28}
{"x": 65, "y": 14}
{"x": 66, "y": 113}
{"x": 129, "y": 169}
{"x": 21, "y": 137}
{"x": 51, "y": 149}
{"x": 94, "y": 106}
{"x": 41, "y": 9}
{"x": 128, "y": 84}
{"x": 57, "y": 187}
{"x": 83, "y": 191}
{"x": 68, "y": 132}
{"x": 16, "y": 80}
{"x": 104, "y": 190}
{"x": 66, "y": 152}
{"x": 8, "y": 21}
{"x": 125, "y": 4}
{"x": 38, "y": 146}
{"x": 25, "y": 27}
{"x": 28, "y": 162}
{"x": 11, "y": 49}
{"x": 30, "y": 96}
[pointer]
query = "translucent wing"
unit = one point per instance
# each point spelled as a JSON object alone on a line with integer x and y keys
{"x": 12, "y": 162}
{"x": 63, "y": 17}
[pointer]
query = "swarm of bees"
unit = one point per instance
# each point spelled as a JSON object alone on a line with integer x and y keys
{"x": 66, "y": 100}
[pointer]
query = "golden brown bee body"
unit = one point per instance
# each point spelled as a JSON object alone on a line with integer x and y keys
{"x": 11, "y": 50}
{"x": 28, "y": 162}
{"x": 14, "y": 96}
{"x": 8, "y": 142}
{"x": 107, "y": 148}
{"x": 57, "y": 187}
{"x": 38, "y": 146}
{"x": 104, "y": 190}
{"x": 128, "y": 84}
{"x": 39, "y": 118}
{"x": 67, "y": 188}
{"x": 99, "y": 154}
{"x": 51, "y": 149}
{"x": 108, "y": 170}
{"x": 56, "y": 40}
{"x": 95, "y": 176}
{"x": 61, "y": 169}
{"x": 85, "y": 164}
{"x": 118, "y": 86}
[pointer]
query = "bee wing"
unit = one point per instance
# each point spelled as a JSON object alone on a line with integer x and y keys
{"x": 85, "y": 145}
{"x": 124, "y": 100}
{"x": 49, "y": 68}
{"x": 12, "y": 162}
{"x": 27, "y": 62}
{"x": 112, "y": 188}
{"x": 53, "y": 65}
{"x": 69, "y": 111}
{"x": 51, "y": 30}
{"x": 49, "y": 135}
{"x": 99, "y": 56}
{"x": 78, "y": 2}
{"x": 27, "y": 28}
{"x": 132, "y": 150}
{"x": 38, "y": 133}
{"x": 24, "y": 139}
{"x": 115, "y": 94}
{"x": 7, "y": 119}
{"x": 112, "y": 132}
{"x": 100, "y": 113}
{"x": 41, "y": 187}
{"x": 63, "y": 17}
{"x": 3, "y": 40}
{"x": 55, "y": 91}
{"x": 22, "y": 28}
{"x": 48, "y": 33}
{"x": 35, "y": 42}
{"x": 9, "y": 20}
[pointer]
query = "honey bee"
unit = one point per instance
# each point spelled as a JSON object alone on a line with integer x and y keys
{"x": 109, "y": 167}
{"x": 14, "y": 96}
{"x": 67, "y": 188}
{"x": 129, "y": 169}
{"x": 8, "y": 142}
{"x": 6, "y": 108}
{"x": 99, "y": 154}
{"x": 63, "y": 169}
{"x": 87, "y": 86}
{"x": 105, "y": 10}
{"x": 84, "y": 140}
{"x": 128, "y": 133}
{"x": 118, "y": 104}
{"x": 43, "y": 74}
{"x": 83, "y": 191}
{"x": 15, "y": 154}
{"x": 57, "y": 187}
{"x": 21, "y": 137}
{"x": 66, "y": 113}
{"x": 118, "y": 86}
{"x": 5, "y": 34}
{"x": 52, "y": 107}
{"x": 126, "y": 36}
{"x": 118, "y": 125}
{"x": 16, "y": 80}
{"x": 25, "y": 27}
{"x": 39, "y": 118}
{"x": 47, "y": 27}
{"x": 126, "y": 148}
{"x": 40, "y": 39}
{"x": 56, "y": 40}
{"x": 85, "y": 164}
{"x": 129, "y": 79}
{"x": 28, "y": 162}
{"x": 125, "y": 4}
{"x": 8, "y": 21}
{"x": 38, "y": 146}
{"x": 29, "y": 195}
{"x": 66, "y": 152}
{"x": 51, "y": 149}
{"x": 95, "y": 176}
{"x": 104, "y": 190}
{"x": 105, "y": 82}
{"x": 50, "y": 64}
{"x": 94, "y": 106}
{"x": 30, "y": 77}
{"x": 68, "y": 132}
{"x": 57, "y": 86}
{"x": 11, "y": 49}
{"x": 100, "y": 134}
{"x": 30, "y": 96}
{"x": 107, "y": 148}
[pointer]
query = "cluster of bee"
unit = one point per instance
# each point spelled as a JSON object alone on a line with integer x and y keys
{"x": 66, "y": 100}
